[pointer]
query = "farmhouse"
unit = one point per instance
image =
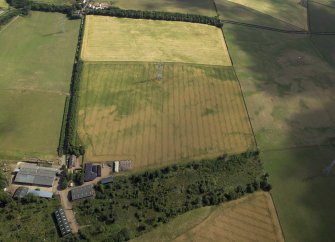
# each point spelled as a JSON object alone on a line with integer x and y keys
{"x": 82, "y": 192}
{"x": 62, "y": 222}
{"x": 36, "y": 175}
{"x": 91, "y": 172}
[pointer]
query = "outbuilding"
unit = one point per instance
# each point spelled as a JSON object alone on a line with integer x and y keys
{"x": 82, "y": 192}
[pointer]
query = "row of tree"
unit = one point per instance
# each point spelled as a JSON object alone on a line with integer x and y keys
{"x": 71, "y": 143}
{"x": 139, "y": 14}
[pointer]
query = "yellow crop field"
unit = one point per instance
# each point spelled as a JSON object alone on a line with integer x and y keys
{"x": 252, "y": 218}
{"x": 194, "y": 111}
{"x": 121, "y": 39}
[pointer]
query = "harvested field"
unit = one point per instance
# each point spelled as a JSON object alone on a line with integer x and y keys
{"x": 34, "y": 84}
{"x": 202, "y": 7}
{"x": 195, "y": 111}
{"x": 252, "y": 218}
{"x": 121, "y": 39}
{"x": 290, "y": 11}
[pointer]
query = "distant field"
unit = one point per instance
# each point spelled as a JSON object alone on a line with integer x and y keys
{"x": 289, "y": 11}
{"x": 194, "y": 111}
{"x": 3, "y": 4}
{"x": 303, "y": 194}
{"x": 288, "y": 88}
{"x": 57, "y": 2}
{"x": 236, "y": 12}
{"x": 322, "y": 16}
{"x": 33, "y": 83}
{"x": 202, "y": 7}
{"x": 252, "y": 218}
{"x": 122, "y": 39}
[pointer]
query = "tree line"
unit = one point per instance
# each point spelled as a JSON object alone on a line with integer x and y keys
{"x": 71, "y": 143}
{"x": 145, "y": 200}
{"x": 140, "y": 14}
{"x": 6, "y": 17}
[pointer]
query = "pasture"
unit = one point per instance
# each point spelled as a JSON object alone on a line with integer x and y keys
{"x": 195, "y": 111}
{"x": 33, "y": 83}
{"x": 202, "y": 7}
{"x": 321, "y": 16}
{"x": 289, "y": 11}
{"x": 232, "y": 11}
{"x": 288, "y": 88}
{"x": 303, "y": 193}
{"x": 122, "y": 39}
{"x": 252, "y": 218}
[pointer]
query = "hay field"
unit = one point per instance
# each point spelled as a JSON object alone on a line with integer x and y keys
{"x": 121, "y": 39}
{"x": 290, "y": 11}
{"x": 195, "y": 111}
{"x": 202, "y": 7}
{"x": 252, "y": 218}
{"x": 34, "y": 84}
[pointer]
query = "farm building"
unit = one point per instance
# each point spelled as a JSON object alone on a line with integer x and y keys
{"x": 21, "y": 192}
{"x": 36, "y": 175}
{"x": 125, "y": 165}
{"x": 91, "y": 172}
{"x": 82, "y": 192}
{"x": 62, "y": 222}
{"x": 106, "y": 180}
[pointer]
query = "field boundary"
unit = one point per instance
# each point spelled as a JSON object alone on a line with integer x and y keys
{"x": 246, "y": 108}
{"x": 275, "y": 208}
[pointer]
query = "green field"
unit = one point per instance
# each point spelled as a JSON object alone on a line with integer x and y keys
{"x": 36, "y": 64}
{"x": 29, "y": 222}
{"x": 288, "y": 11}
{"x": 322, "y": 17}
{"x": 303, "y": 195}
{"x": 288, "y": 82}
{"x": 203, "y": 7}
{"x": 56, "y": 2}
{"x": 232, "y": 11}
{"x": 194, "y": 111}
{"x": 287, "y": 85}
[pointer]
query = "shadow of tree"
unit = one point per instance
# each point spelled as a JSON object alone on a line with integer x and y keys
{"x": 288, "y": 82}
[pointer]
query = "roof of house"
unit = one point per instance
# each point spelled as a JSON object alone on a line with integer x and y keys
{"x": 90, "y": 172}
{"x": 36, "y": 175}
{"x": 106, "y": 180}
{"x": 62, "y": 222}
{"x": 82, "y": 192}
